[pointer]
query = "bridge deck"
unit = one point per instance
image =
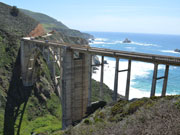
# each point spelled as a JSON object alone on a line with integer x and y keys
{"x": 152, "y": 58}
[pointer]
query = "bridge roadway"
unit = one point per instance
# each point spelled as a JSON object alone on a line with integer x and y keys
{"x": 74, "y": 82}
{"x": 144, "y": 57}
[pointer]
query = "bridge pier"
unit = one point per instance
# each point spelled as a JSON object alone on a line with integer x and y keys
{"x": 74, "y": 86}
{"x": 27, "y": 64}
{"x": 153, "y": 87}
{"x": 90, "y": 80}
{"x": 48, "y": 56}
{"x": 165, "y": 81}
{"x": 155, "y": 78}
{"x": 128, "y": 80}
{"x": 116, "y": 80}
{"x": 102, "y": 76}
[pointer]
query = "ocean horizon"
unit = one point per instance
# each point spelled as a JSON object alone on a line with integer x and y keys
{"x": 168, "y": 34}
{"x": 141, "y": 72}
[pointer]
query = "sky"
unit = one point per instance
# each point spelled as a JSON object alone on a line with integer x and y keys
{"x": 136, "y": 16}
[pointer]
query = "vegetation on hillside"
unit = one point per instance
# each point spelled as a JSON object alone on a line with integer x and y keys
{"x": 50, "y": 24}
{"x": 155, "y": 116}
{"x": 45, "y": 19}
{"x": 11, "y": 30}
{"x": 13, "y": 96}
{"x": 107, "y": 92}
{"x": 43, "y": 113}
{"x": 19, "y": 24}
{"x": 14, "y": 11}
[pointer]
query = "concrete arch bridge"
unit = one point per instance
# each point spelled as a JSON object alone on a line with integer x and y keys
{"x": 75, "y": 64}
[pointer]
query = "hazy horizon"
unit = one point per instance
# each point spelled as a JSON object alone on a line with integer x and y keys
{"x": 128, "y": 16}
{"x": 134, "y": 33}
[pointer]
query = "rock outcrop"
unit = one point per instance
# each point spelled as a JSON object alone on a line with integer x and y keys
{"x": 38, "y": 31}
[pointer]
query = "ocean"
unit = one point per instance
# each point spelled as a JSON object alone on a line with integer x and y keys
{"x": 141, "y": 72}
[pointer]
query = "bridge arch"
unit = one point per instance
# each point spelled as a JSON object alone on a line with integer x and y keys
{"x": 52, "y": 64}
{"x": 71, "y": 84}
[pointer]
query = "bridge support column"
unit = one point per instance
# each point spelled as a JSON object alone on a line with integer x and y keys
{"x": 155, "y": 78}
{"x": 102, "y": 77}
{"x": 74, "y": 86}
{"x": 48, "y": 56}
{"x": 27, "y": 64}
{"x": 116, "y": 80}
{"x": 153, "y": 88}
{"x": 90, "y": 80}
{"x": 128, "y": 80}
{"x": 66, "y": 92}
{"x": 54, "y": 68}
{"x": 165, "y": 81}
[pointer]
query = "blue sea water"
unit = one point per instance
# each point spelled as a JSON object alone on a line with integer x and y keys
{"x": 145, "y": 43}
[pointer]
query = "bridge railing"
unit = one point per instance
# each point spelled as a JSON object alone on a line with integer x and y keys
{"x": 153, "y": 58}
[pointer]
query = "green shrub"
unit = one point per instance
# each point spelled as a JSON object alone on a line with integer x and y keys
{"x": 98, "y": 120}
{"x": 116, "y": 118}
{"x": 118, "y": 108}
{"x": 149, "y": 104}
{"x": 54, "y": 106}
{"x": 1, "y": 39}
{"x": 177, "y": 103}
{"x": 1, "y": 121}
{"x": 14, "y": 11}
{"x": 101, "y": 115}
{"x": 155, "y": 98}
{"x": 87, "y": 121}
{"x": 135, "y": 105}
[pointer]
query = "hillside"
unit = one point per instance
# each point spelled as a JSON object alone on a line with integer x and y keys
{"x": 45, "y": 19}
{"x": 61, "y": 38}
{"x": 50, "y": 24}
{"x": 12, "y": 28}
{"x": 34, "y": 109}
{"x": 13, "y": 96}
{"x": 20, "y": 24}
{"x": 146, "y": 116}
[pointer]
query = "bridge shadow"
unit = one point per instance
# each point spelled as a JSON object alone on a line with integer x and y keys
{"x": 17, "y": 99}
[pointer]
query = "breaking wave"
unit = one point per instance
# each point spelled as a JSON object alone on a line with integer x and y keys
{"x": 169, "y": 51}
{"x": 106, "y": 41}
